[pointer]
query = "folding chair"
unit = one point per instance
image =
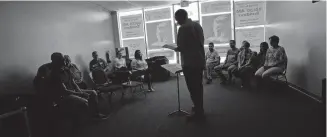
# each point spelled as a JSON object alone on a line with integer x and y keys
{"x": 103, "y": 85}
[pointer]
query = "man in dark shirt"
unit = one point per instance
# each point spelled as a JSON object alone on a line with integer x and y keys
{"x": 190, "y": 43}
{"x": 97, "y": 63}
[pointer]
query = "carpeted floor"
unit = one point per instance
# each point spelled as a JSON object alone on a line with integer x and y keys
{"x": 231, "y": 112}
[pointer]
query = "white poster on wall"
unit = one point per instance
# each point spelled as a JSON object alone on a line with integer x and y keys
{"x": 249, "y": 13}
{"x": 215, "y": 7}
{"x": 217, "y": 28}
{"x": 158, "y": 14}
{"x": 170, "y": 54}
{"x": 135, "y": 44}
{"x": 254, "y": 36}
{"x": 159, "y": 34}
{"x": 131, "y": 26}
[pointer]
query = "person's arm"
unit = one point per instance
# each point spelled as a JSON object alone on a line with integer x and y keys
{"x": 217, "y": 58}
{"x": 226, "y": 57}
{"x": 90, "y": 66}
{"x": 105, "y": 64}
{"x": 67, "y": 91}
{"x": 266, "y": 58}
{"x": 180, "y": 40}
{"x": 282, "y": 58}
{"x": 133, "y": 64}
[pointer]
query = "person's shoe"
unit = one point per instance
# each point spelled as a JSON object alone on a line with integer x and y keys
{"x": 209, "y": 81}
{"x": 151, "y": 90}
{"x": 101, "y": 116}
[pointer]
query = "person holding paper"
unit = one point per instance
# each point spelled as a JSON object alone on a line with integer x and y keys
{"x": 190, "y": 42}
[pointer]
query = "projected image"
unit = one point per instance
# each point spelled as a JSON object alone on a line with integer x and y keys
{"x": 217, "y": 28}
{"x": 159, "y": 34}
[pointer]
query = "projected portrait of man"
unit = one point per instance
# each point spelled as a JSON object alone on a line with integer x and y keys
{"x": 160, "y": 33}
{"x": 219, "y": 26}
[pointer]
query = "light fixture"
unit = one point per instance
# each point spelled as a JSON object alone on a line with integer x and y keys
{"x": 185, "y": 3}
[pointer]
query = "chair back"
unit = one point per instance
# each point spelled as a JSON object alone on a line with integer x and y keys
{"x": 99, "y": 77}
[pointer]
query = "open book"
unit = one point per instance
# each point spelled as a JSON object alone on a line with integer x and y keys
{"x": 170, "y": 46}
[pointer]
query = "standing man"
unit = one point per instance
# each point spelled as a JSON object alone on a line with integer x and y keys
{"x": 212, "y": 60}
{"x": 190, "y": 41}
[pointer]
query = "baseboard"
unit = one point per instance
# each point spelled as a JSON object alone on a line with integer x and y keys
{"x": 306, "y": 92}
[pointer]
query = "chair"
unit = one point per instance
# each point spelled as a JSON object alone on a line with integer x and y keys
{"x": 282, "y": 74}
{"x": 103, "y": 85}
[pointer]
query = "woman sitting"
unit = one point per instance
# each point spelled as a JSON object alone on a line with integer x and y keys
{"x": 243, "y": 59}
{"x": 275, "y": 61}
{"x": 120, "y": 62}
{"x": 140, "y": 67}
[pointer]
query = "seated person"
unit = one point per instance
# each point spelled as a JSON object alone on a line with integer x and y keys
{"x": 62, "y": 87}
{"x": 212, "y": 59}
{"x": 76, "y": 73}
{"x": 275, "y": 61}
{"x": 121, "y": 72}
{"x": 243, "y": 60}
{"x": 98, "y": 63}
{"x": 140, "y": 67}
{"x": 120, "y": 62}
{"x": 229, "y": 64}
{"x": 256, "y": 61}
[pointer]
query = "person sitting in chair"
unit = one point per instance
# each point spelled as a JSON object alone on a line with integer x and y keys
{"x": 120, "y": 62}
{"x": 243, "y": 60}
{"x": 61, "y": 86}
{"x": 230, "y": 63}
{"x": 275, "y": 61}
{"x": 98, "y": 63}
{"x": 212, "y": 60}
{"x": 140, "y": 67}
{"x": 76, "y": 73}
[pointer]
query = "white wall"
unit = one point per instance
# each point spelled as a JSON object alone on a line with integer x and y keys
{"x": 301, "y": 27}
{"x": 31, "y": 31}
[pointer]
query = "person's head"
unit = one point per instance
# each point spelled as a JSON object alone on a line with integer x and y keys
{"x": 119, "y": 54}
{"x": 57, "y": 59}
{"x": 138, "y": 54}
{"x": 274, "y": 40}
{"x": 245, "y": 44}
{"x": 232, "y": 44}
{"x": 181, "y": 16}
{"x": 263, "y": 47}
{"x": 67, "y": 59}
{"x": 95, "y": 55}
{"x": 211, "y": 46}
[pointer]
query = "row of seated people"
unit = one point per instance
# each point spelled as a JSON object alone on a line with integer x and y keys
{"x": 62, "y": 81}
{"x": 245, "y": 63}
{"x": 138, "y": 68}
{"x": 59, "y": 80}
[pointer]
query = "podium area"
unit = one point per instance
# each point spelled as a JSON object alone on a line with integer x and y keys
{"x": 230, "y": 111}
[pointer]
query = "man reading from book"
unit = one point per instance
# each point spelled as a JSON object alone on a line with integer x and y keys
{"x": 190, "y": 42}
